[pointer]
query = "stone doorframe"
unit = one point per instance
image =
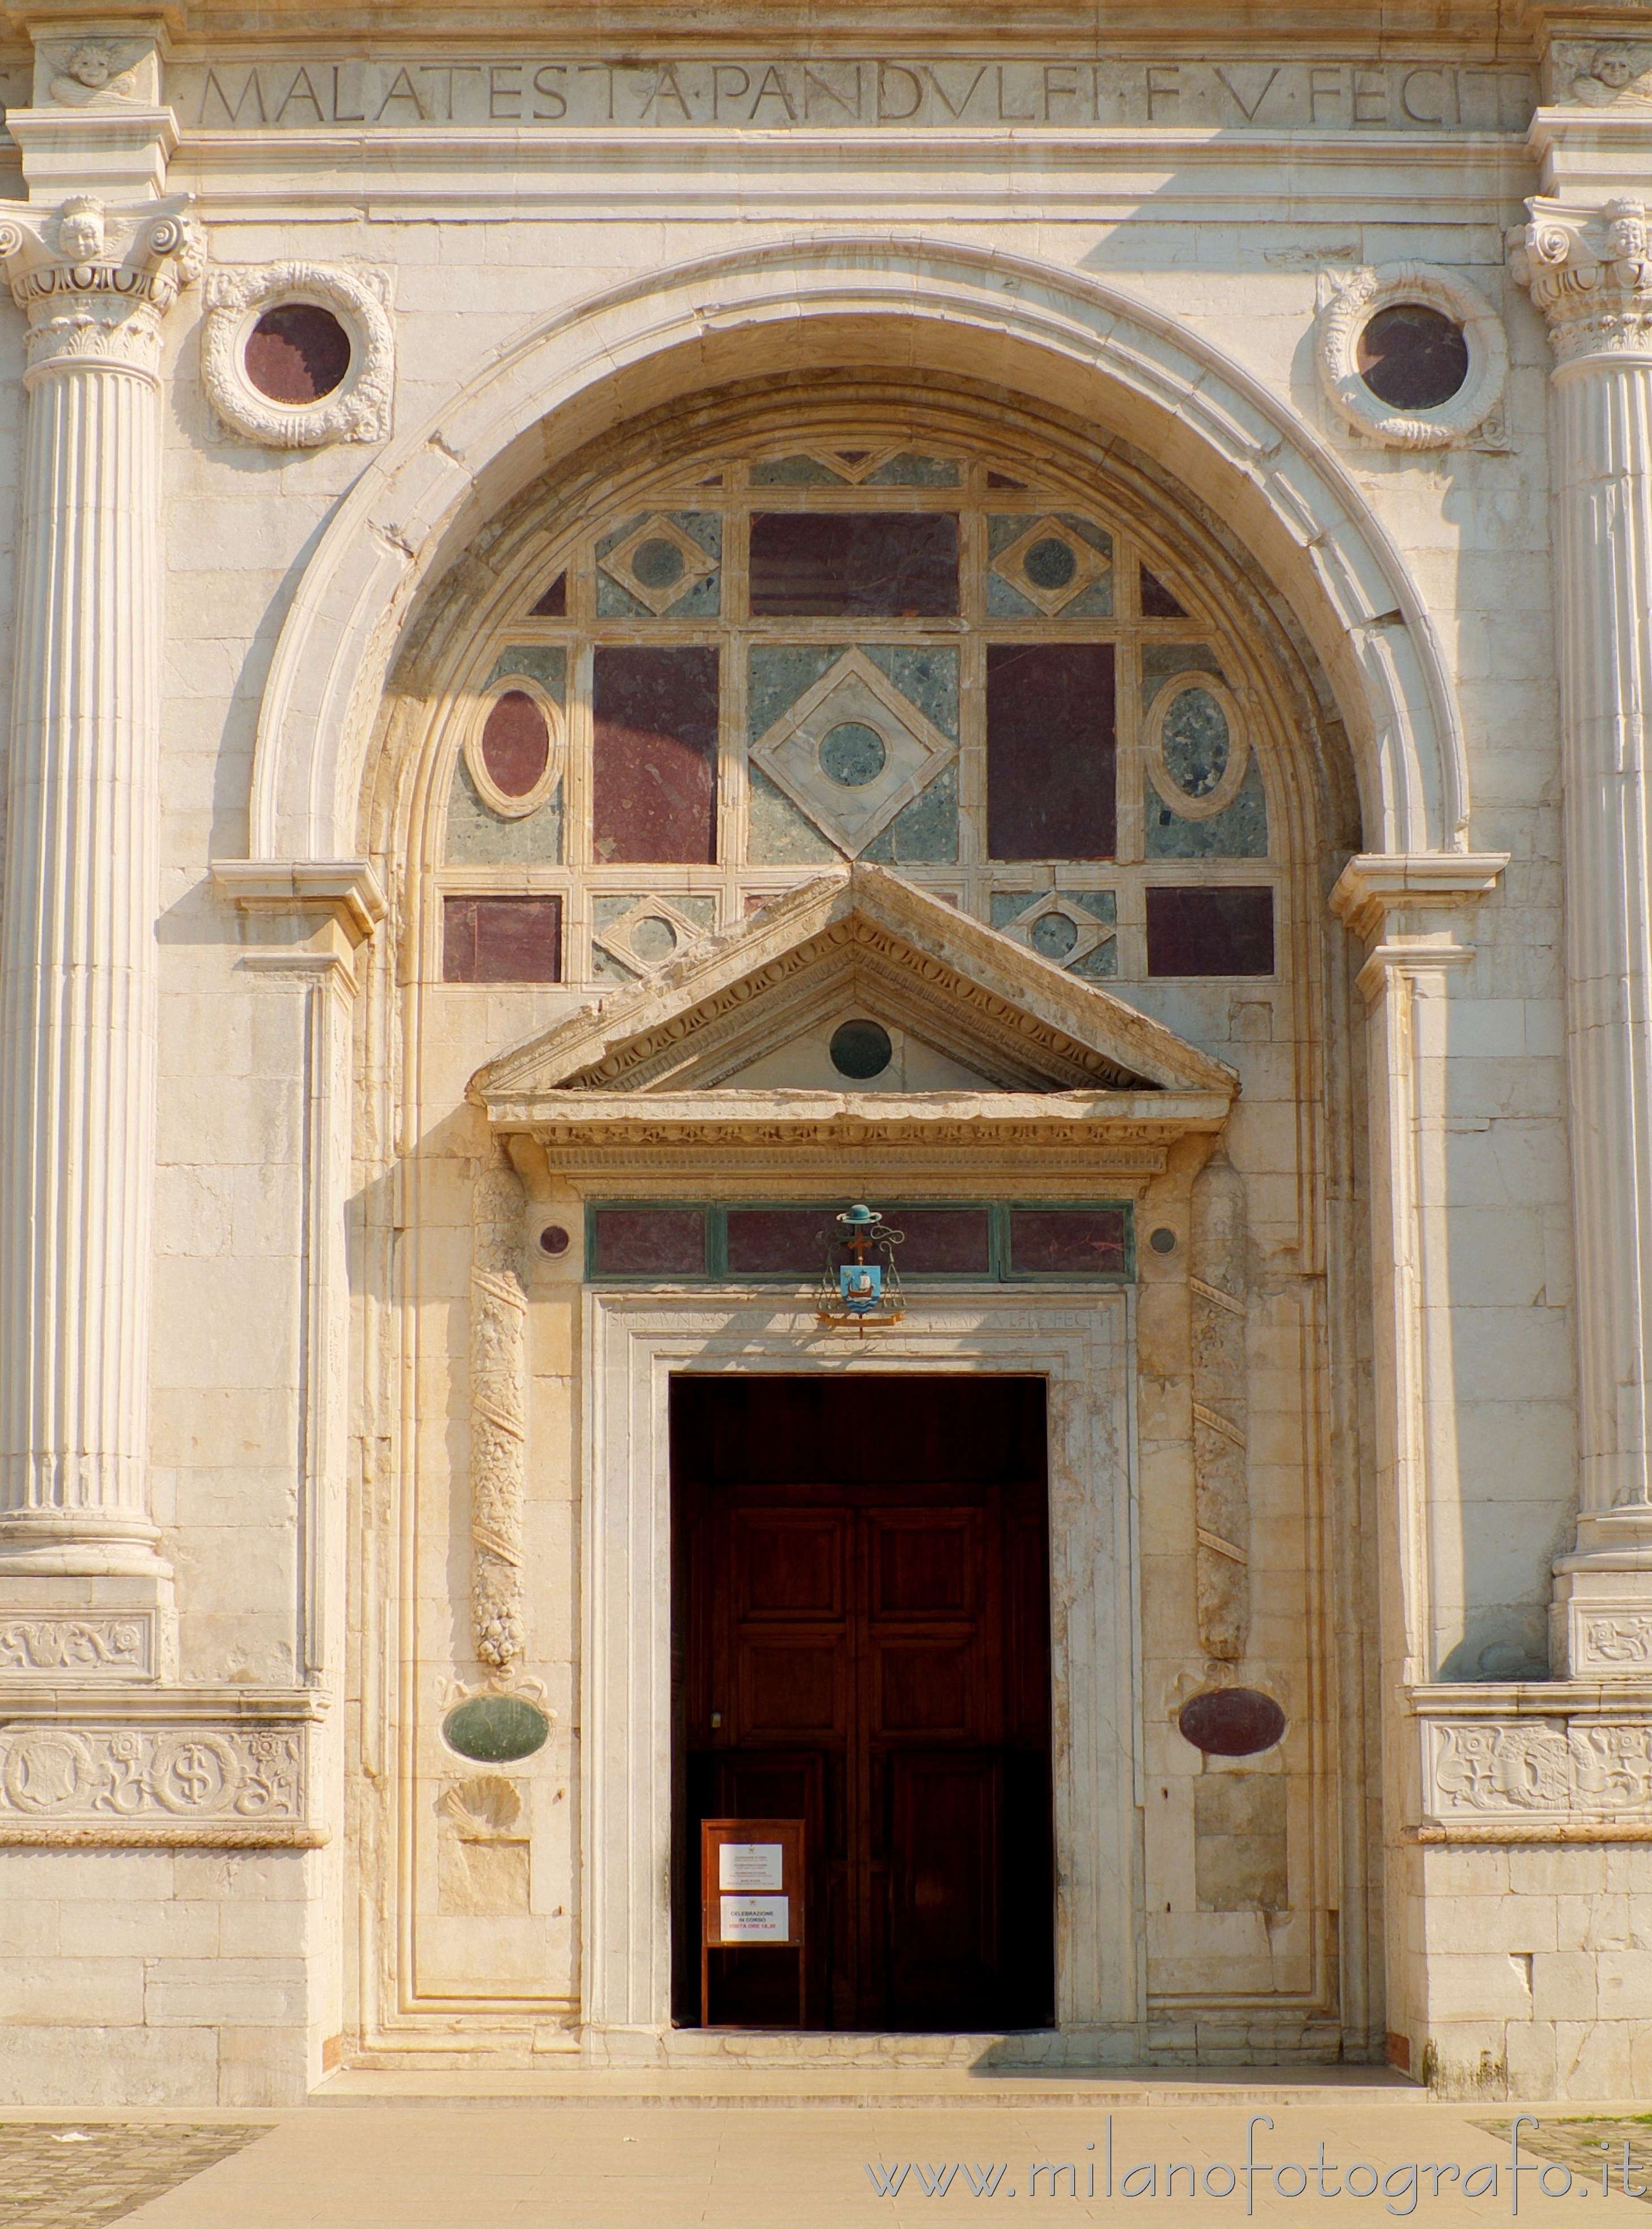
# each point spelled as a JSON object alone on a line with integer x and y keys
{"x": 1082, "y": 1342}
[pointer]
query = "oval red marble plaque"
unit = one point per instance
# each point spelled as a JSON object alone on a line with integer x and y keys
{"x": 1230, "y": 1722}
{"x": 516, "y": 743}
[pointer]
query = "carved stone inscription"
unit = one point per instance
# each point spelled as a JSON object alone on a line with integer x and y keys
{"x": 81, "y": 1775}
{"x": 1515, "y": 1768}
{"x": 755, "y": 94}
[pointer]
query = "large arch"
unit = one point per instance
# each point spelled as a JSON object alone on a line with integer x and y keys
{"x": 819, "y": 302}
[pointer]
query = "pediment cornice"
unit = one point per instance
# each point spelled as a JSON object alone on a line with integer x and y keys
{"x": 1058, "y": 1056}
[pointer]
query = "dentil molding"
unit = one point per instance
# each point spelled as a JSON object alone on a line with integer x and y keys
{"x": 1351, "y": 306}
{"x": 357, "y": 410}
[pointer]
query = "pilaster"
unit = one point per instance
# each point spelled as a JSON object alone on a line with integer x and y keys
{"x": 1407, "y": 909}
{"x": 77, "y": 944}
{"x": 1586, "y": 257}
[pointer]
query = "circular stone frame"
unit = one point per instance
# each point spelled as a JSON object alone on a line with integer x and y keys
{"x": 1239, "y": 741}
{"x": 497, "y": 799}
{"x": 1352, "y": 308}
{"x": 358, "y": 409}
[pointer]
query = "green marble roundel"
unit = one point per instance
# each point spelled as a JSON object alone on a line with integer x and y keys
{"x": 494, "y": 1729}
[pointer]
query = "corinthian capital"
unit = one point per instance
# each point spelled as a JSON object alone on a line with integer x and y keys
{"x": 1589, "y": 272}
{"x": 95, "y": 281}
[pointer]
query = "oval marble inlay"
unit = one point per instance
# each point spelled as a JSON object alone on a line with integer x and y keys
{"x": 1049, "y": 563}
{"x": 653, "y": 939}
{"x": 494, "y": 1729}
{"x": 516, "y": 743}
{"x": 1230, "y": 1722}
{"x": 658, "y": 564}
{"x": 1054, "y": 935}
{"x": 1195, "y": 742}
{"x": 853, "y": 754}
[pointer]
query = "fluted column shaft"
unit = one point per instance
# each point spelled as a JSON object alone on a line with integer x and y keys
{"x": 78, "y": 956}
{"x": 1588, "y": 273}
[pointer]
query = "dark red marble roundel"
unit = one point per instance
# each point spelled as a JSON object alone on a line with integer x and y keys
{"x": 1230, "y": 1722}
{"x": 516, "y": 743}
{"x": 297, "y": 353}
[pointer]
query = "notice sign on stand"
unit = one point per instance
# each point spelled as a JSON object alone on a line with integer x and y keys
{"x": 751, "y": 1893}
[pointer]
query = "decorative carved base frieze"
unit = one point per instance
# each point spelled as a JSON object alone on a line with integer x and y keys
{"x": 1571, "y": 1762}
{"x": 156, "y": 1769}
{"x": 79, "y": 1645}
{"x": 1600, "y": 1627}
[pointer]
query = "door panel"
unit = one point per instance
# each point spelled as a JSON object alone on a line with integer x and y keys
{"x": 925, "y": 1687}
{"x": 791, "y": 1689}
{"x": 864, "y": 1643}
{"x": 945, "y": 1822}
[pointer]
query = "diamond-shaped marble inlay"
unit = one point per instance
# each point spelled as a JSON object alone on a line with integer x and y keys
{"x": 649, "y": 935}
{"x": 658, "y": 564}
{"x": 851, "y": 752}
{"x": 1051, "y": 564}
{"x": 1058, "y": 930}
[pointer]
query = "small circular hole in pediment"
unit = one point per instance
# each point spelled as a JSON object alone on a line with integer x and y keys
{"x": 861, "y": 1049}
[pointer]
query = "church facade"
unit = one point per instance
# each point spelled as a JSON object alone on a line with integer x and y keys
{"x": 826, "y": 1019}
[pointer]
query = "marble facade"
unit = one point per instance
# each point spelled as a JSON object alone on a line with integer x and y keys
{"x": 317, "y": 1429}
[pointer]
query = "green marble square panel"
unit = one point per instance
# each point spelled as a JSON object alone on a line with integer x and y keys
{"x": 478, "y": 836}
{"x": 544, "y": 662}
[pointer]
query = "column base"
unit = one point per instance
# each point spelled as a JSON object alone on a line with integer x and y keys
{"x": 80, "y": 1543}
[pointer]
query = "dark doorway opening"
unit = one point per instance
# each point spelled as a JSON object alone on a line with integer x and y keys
{"x": 861, "y": 1640}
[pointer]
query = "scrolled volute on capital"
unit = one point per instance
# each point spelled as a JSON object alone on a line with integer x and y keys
{"x": 1590, "y": 271}
{"x": 94, "y": 280}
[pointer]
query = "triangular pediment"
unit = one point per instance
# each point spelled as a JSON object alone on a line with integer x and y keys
{"x": 740, "y": 1013}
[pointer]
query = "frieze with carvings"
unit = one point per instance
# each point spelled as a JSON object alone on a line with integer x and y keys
{"x": 156, "y": 1769}
{"x": 870, "y": 92}
{"x": 1516, "y": 1777}
{"x": 79, "y": 1645}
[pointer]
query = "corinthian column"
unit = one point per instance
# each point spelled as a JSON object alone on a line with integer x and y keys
{"x": 77, "y": 938}
{"x": 1589, "y": 272}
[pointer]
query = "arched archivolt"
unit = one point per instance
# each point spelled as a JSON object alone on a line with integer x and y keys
{"x": 915, "y": 306}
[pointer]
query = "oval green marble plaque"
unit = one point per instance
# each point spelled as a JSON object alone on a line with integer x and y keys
{"x": 494, "y": 1729}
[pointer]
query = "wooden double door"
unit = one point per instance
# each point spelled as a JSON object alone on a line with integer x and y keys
{"x": 861, "y": 1641}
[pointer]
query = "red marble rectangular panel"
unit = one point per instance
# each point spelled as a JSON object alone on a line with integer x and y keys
{"x": 1210, "y": 931}
{"x": 779, "y": 1241}
{"x": 1050, "y": 751}
{"x": 648, "y": 1242}
{"x": 506, "y": 939}
{"x": 654, "y": 756}
{"x": 849, "y": 564}
{"x": 1053, "y": 1242}
{"x": 943, "y": 1242}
